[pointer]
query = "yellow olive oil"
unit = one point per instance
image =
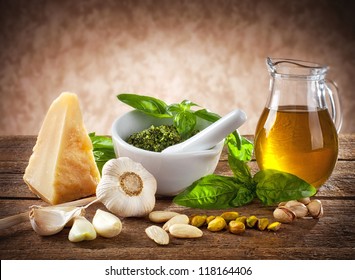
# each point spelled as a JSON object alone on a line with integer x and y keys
{"x": 297, "y": 140}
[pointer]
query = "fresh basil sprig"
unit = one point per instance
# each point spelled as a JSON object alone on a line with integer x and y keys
{"x": 184, "y": 118}
{"x": 149, "y": 105}
{"x": 215, "y": 192}
{"x": 220, "y": 192}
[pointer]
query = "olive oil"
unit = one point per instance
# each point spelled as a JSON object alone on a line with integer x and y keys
{"x": 298, "y": 140}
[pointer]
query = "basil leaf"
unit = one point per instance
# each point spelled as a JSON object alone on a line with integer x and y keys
{"x": 102, "y": 149}
{"x": 240, "y": 169}
{"x": 245, "y": 195}
{"x": 187, "y": 104}
{"x": 149, "y": 105}
{"x": 185, "y": 123}
{"x": 207, "y": 115}
{"x": 215, "y": 192}
{"x": 174, "y": 108}
{"x": 276, "y": 186}
{"x": 239, "y": 147}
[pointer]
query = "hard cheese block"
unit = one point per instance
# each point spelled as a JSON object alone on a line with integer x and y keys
{"x": 62, "y": 166}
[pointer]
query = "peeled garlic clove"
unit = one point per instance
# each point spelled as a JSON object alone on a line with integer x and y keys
{"x": 51, "y": 220}
{"x": 81, "y": 230}
{"x": 178, "y": 219}
{"x": 106, "y": 224}
{"x": 157, "y": 234}
{"x": 126, "y": 188}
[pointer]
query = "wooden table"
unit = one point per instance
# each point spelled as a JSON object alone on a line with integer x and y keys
{"x": 331, "y": 237}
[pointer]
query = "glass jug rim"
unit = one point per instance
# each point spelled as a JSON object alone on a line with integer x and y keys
{"x": 294, "y": 68}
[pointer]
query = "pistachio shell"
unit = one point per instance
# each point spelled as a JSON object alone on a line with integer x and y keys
{"x": 298, "y": 208}
{"x": 284, "y": 215}
{"x": 315, "y": 208}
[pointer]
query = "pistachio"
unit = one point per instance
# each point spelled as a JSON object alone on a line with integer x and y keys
{"x": 217, "y": 224}
{"x": 283, "y": 203}
{"x": 242, "y": 219}
{"x": 178, "y": 219}
{"x": 251, "y": 221}
{"x": 315, "y": 208}
{"x": 198, "y": 220}
{"x": 274, "y": 226}
{"x": 305, "y": 200}
{"x": 229, "y": 216}
{"x": 161, "y": 216}
{"x": 263, "y": 223}
{"x": 298, "y": 208}
{"x": 236, "y": 227}
{"x": 209, "y": 219}
{"x": 185, "y": 231}
{"x": 158, "y": 235}
{"x": 284, "y": 215}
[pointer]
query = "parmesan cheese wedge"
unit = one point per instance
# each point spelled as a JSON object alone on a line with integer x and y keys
{"x": 62, "y": 167}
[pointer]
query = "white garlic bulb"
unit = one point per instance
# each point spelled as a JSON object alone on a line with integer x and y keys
{"x": 126, "y": 188}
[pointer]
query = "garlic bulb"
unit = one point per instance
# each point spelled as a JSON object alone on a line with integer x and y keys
{"x": 126, "y": 188}
{"x": 81, "y": 230}
{"x": 51, "y": 220}
{"x": 106, "y": 224}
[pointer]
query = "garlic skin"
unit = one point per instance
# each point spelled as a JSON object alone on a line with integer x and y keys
{"x": 106, "y": 224}
{"x": 51, "y": 220}
{"x": 126, "y": 188}
{"x": 81, "y": 230}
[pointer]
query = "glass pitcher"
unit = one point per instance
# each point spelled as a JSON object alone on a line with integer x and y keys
{"x": 297, "y": 132}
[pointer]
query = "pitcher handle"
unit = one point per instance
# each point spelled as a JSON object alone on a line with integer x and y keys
{"x": 336, "y": 111}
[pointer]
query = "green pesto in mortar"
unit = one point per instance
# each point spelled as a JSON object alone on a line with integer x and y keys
{"x": 155, "y": 138}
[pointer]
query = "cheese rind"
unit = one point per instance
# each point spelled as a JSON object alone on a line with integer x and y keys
{"x": 62, "y": 167}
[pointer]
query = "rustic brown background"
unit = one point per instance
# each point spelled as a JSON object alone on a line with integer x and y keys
{"x": 211, "y": 52}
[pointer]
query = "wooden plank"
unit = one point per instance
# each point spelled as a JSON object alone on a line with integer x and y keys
{"x": 340, "y": 184}
{"x": 346, "y": 147}
{"x": 331, "y": 237}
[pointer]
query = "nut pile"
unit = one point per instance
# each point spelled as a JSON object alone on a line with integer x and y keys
{"x": 182, "y": 226}
{"x": 233, "y": 222}
{"x": 288, "y": 211}
{"x": 174, "y": 223}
